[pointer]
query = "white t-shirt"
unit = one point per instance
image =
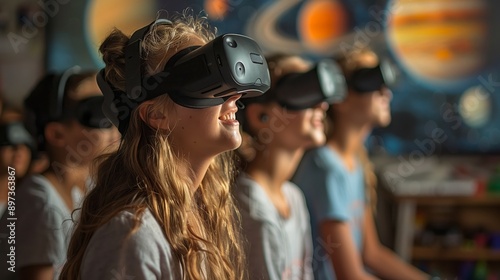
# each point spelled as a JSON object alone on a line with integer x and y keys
{"x": 115, "y": 253}
{"x": 278, "y": 248}
{"x": 41, "y": 230}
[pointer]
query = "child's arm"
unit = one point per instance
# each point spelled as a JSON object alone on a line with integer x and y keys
{"x": 380, "y": 259}
{"x": 340, "y": 246}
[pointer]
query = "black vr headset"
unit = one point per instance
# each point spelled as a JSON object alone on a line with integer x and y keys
{"x": 86, "y": 111}
{"x": 14, "y": 133}
{"x": 323, "y": 83}
{"x": 365, "y": 80}
{"x": 195, "y": 77}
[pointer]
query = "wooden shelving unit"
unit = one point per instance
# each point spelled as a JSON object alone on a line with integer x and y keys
{"x": 467, "y": 211}
{"x": 480, "y": 200}
{"x": 453, "y": 254}
{"x": 438, "y": 211}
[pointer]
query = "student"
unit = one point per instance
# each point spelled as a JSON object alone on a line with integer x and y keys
{"x": 38, "y": 161}
{"x": 278, "y": 128}
{"x": 161, "y": 208}
{"x": 338, "y": 181}
{"x": 61, "y": 111}
{"x": 16, "y": 150}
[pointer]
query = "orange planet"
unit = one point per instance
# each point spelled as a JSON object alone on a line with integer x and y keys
{"x": 216, "y": 9}
{"x": 321, "y": 23}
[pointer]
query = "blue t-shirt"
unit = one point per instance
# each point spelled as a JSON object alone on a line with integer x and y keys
{"x": 332, "y": 192}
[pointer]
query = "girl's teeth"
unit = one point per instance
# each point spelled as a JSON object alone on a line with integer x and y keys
{"x": 230, "y": 116}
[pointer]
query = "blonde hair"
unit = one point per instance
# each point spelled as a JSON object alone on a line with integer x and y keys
{"x": 145, "y": 173}
{"x": 350, "y": 62}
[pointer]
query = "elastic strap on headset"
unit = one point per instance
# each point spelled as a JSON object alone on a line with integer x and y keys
{"x": 133, "y": 59}
{"x": 133, "y": 82}
{"x": 57, "y": 101}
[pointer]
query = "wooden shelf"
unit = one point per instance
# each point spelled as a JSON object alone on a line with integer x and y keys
{"x": 485, "y": 200}
{"x": 442, "y": 254}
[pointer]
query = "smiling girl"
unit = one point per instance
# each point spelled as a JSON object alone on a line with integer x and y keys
{"x": 161, "y": 208}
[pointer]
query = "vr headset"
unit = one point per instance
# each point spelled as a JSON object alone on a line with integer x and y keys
{"x": 15, "y": 133}
{"x": 323, "y": 83}
{"x": 195, "y": 77}
{"x": 88, "y": 112}
{"x": 365, "y": 80}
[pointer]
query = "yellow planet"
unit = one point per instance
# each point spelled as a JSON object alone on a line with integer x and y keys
{"x": 438, "y": 40}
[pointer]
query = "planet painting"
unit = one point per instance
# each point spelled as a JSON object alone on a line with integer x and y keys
{"x": 438, "y": 41}
{"x": 126, "y": 15}
{"x": 321, "y": 23}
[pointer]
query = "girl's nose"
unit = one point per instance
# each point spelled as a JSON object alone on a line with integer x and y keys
{"x": 234, "y": 98}
{"x": 386, "y": 92}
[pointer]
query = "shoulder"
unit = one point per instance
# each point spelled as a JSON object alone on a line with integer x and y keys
{"x": 319, "y": 168}
{"x": 122, "y": 226}
{"x": 249, "y": 193}
{"x": 36, "y": 196}
{"x": 120, "y": 246}
{"x": 321, "y": 159}
{"x": 294, "y": 193}
{"x": 35, "y": 187}
{"x": 253, "y": 203}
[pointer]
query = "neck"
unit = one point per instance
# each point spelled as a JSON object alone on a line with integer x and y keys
{"x": 347, "y": 139}
{"x": 66, "y": 177}
{"x": 198, "y": 170}
{"x": 274, "y": 166}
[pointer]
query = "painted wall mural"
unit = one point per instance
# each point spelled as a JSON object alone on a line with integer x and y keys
{"x": 447, "y": 51}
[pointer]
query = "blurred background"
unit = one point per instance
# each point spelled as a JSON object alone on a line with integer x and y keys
{"x": 446, "y": 102}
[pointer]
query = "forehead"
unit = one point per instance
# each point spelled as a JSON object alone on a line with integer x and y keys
{"x": 365, "y": 60}
{"x": 291, "y": 65}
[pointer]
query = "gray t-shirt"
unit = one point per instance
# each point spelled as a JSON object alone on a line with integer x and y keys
{"x": 277, "y": 248}
{"x": 42, "y": 227}
{"x": 116, "y": 253}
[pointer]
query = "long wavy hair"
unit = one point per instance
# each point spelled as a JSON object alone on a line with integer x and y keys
{"x": 145, "y": 173}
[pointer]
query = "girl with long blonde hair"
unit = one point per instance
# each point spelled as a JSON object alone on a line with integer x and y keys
{"x": 161, "y": 207}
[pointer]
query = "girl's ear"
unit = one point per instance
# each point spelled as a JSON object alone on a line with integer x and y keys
{"x": 55, "y": 134}
{"x": 154, "y": 118}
